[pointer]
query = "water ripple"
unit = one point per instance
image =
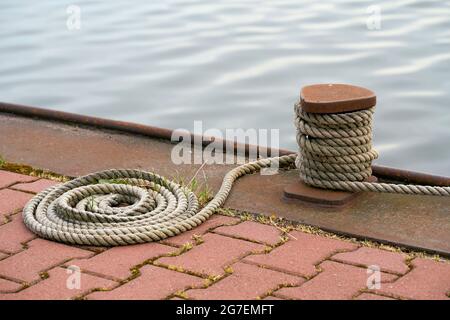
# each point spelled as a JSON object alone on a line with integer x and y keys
{"x": 236, "y": 64}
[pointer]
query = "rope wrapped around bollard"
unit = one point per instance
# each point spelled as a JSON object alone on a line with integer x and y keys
{"x": 335, "y": 152}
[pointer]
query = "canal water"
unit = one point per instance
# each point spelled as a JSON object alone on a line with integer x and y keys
{"x": 236, "y": 64}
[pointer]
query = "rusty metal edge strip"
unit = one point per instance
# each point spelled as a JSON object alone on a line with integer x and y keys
{"x": 382, "y": 172}
{"x": 402, "y": 244}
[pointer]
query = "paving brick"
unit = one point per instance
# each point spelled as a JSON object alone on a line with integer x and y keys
{"x": 210, "y": 257}
{"x": 117, "y": 262}
{"x": 246, "y": 282}
{"x": 153, "y": 283}
{"x": 55, "y": 287}
{"x": 36, "y": 186}
{"x": 8, "y": 286}
{"x": 211, "y": 223}
{"x": 387, "y": 261}
{"x": 337, "y": 281}
{"x": 302, "y": 255}
{"x": 13, "y": 234}
{"x": 272, "y": 298}
{"x": 9, "y": 178}
{"x": 371, "y": 296}
{"x": 12, "y": 201}
{"x": 40, "y": 256}
{"x": 428, "y": 280}
{"x": 252, "y": 231}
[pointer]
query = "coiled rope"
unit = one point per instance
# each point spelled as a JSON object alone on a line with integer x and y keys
{"x": 86, "y": 211}
{"x": 335, "y": 152}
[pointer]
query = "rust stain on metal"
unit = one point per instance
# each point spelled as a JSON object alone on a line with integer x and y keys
{"x": 336, "y": 98}
{"x": 412, "y": 177}
{"x": 134, "y": 128}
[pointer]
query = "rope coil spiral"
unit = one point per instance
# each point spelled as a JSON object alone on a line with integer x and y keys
{"x": 335, "y": 152}
{"x": 86, "y": 211}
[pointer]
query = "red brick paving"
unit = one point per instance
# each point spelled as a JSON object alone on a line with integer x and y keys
{"x": 387, "y": 261}
{"x": 252, "y": 231}
{"x": 58, "y": 286}
{"x": 246, "y": 282}
{"x": 117, "y": 262}
{"x": 336, "y": 281}
{"x": 40, "y": 256}
{"x": 9, "y": 178}
{"x": 336, "y": 269}
{"x": 272, "y": 298}
{"x": 13, "y": 234}
{"x": 12, "y": 201}
{"x": 153, "y": 283}
{"x": 211, "y": 223}
{"x": 34, "y": 187}
{"x": 7, "y": 286}
{"x": 301, "y": 254}
{"x": 212, "y": 256}
{"x": 427, "y": 280}
{"x": 371, "y": 296}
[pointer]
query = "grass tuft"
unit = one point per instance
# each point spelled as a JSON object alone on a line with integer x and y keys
{"x": 34, "y": 172}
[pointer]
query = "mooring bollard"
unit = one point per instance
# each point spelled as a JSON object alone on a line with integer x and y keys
{"x": 330, "y": 153}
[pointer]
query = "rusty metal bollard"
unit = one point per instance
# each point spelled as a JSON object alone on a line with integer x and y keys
{"x": 329, "y": 99}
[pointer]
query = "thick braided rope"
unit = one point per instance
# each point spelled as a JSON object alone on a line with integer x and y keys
{"x": 335, "y": 152}
{"x": 87, "y": 211}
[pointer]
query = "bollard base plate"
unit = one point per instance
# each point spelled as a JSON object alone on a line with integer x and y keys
{"x": 301, "y": 191}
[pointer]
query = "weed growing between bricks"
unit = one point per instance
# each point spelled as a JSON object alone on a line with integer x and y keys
{"x": 209, "y": 280}
{"x": 31, "y": 171}
{"x": 228, "y": 270}
{"x": 135, "y": 271}
{"x": 287, "y": 226}
{"x": 7, "y": 218}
